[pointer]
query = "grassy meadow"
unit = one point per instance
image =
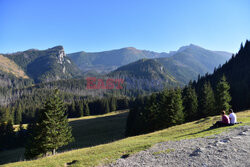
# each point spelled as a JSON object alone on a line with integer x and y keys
{"x": 87, "y": 131}
{"x": 106, "y": 153}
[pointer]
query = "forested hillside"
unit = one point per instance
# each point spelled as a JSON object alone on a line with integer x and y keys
{"x": 27, "y": 100}
{"x": 50, "y": 69}
{"x": 237, "y": 72}
{"x": 45, "y": 65}
{"x": 228, "y": 87}
{"x": 177, "y": 70}
{"x": 145, "y": 74}
{"x": 191, "y": 61}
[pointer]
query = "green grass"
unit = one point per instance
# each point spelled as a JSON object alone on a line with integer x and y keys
{"x": 87, "y": 131}
{"x": 106, "y": 153}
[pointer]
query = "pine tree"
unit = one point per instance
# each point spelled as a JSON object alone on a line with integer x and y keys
{"x": 106, "y": 106}
{"x": 72, "y": 109}
{"x": 207, "y": 101}
{"x": 2, "y": 115}
{"x": 113, "y": 104}
{"x": 223, "y": 97}
{"x": 52, "y": 125}
{"x": 6, "y": 115}
{"x": 172, "y": 108}
{"x": 86, "y": 108}
{"x": 33, "y": 148}
{"x": 18, "y": 114}
{"x": 150, "y": 114}
{"x": 176, "y": 107}
{"x": 190, "y": 103}
{"x": 79, "y": 109}
{"x": 8, "y": 134}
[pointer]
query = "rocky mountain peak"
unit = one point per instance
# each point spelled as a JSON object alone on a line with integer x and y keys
{"x": 61, "y": 56}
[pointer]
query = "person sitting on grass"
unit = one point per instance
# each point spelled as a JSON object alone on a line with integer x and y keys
{"x": 232, "y": 117}
{"x": 224, "y": 121}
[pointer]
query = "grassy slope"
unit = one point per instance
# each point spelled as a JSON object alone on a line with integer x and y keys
{"x": 88, "y": 131}
{"x": 106, "y": 153}
{"x": 10, "y": 66}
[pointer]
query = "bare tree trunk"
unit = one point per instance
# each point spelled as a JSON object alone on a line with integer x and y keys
{"x": 54, "y": 151}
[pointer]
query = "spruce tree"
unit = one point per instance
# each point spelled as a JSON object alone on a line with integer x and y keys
{"x": 5, "y": 115}
{"x": 106, "y": 105}
{"x": 190, "y": 103}
{"x": 53, "y": 128}
{"x": 174, "y": 108}
{"x": 207, "y": 101}
{"x": 113, "y": 104}
{"x": 18, "y": 114}
{"x": 223, "y": 97}
{"x": 79, "y": 109}
{"x": 7, "y": 134}
{"x": 33, "y": 148}
{"x": 72, "y": 109}
{"x": 176, "y": 103}
{"x": 151, "y": 114}
{"x": 86, "y": 108}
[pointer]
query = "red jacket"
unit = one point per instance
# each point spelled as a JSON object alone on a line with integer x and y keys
{"x": 225, "y": 119}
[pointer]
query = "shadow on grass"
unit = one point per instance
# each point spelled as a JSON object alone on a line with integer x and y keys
{"x": 191, "y": 134}
{"x": 210, "y": 129}
{"x": 95, "y": 131}
{"x": 87, "y": 132}
{"x": 202, "y": 120}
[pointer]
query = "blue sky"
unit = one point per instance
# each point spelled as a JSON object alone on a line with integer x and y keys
{"x": 97, "y": 25}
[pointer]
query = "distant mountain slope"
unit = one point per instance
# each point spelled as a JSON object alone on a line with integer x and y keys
{"x": 184, "y": 65}
{"x": 146, "y": 74}
{"x": 9, "y": 66}
{"x": 237, "y": 72}
{"x": 45, "y": 65}
{"x": 202, "y": 60}
{"x": 199, "y": 59}
{"x": 190, "y": 61}
{"x": 110, "y": 60}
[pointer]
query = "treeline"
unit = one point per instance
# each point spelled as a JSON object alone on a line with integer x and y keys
{"x": 22, "y": 112}
{"x": 100, "y": 106}
{"x": 176, "y": 106}
{"x": 25, "y": 101}
{"x": 207, "y": 96}
{"x": 11, "y": 138}
{"x": 237, "y": 72}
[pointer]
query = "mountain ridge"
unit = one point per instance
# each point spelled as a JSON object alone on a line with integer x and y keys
{"x": 44, "y": 65}
{"x": 107, "y": 61}
{"x": 184, "y": 65}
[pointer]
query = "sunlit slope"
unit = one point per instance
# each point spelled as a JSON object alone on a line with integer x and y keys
{"x": 106, "y": 153}
{"x": 10, "y": 66}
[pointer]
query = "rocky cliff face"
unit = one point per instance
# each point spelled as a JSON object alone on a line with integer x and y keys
{"x": 45, "y": 65}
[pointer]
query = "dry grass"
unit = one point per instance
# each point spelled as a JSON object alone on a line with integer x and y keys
{"x": 10, "y": 66}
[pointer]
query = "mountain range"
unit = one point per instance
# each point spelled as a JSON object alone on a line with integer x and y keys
{"x": 140, "y": 68}
{"x": 175, "y": 70}
{"x": 107, "y": 61}
{"x": 104, "y": 62}
{"x": 30, "y": 76}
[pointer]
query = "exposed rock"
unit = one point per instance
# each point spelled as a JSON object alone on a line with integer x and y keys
{"x": 225, "y": 150}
